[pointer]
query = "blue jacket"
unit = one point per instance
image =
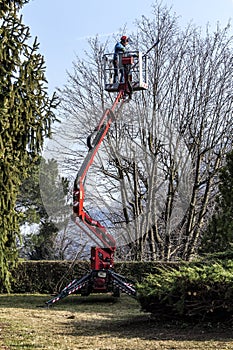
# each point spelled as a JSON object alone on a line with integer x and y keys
{"x": 119, "y": 48}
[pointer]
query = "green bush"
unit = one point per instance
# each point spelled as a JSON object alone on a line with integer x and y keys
{"x": 195, "y": 290}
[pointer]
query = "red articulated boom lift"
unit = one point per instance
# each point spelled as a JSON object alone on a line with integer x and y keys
{"x": 102, "y": 278}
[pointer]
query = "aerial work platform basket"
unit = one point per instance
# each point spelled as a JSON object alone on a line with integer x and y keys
{"x": 132, "y": 62}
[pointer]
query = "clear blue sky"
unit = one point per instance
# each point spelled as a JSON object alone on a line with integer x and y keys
{"x": 63, "y": 27}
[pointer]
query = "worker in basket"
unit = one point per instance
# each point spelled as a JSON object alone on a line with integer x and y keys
{"x": 120, "y": 48}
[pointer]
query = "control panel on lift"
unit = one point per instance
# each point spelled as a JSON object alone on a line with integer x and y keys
{"x": 136, "y": 65}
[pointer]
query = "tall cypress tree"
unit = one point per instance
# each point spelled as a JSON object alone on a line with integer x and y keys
{"x": 26, "y": 113}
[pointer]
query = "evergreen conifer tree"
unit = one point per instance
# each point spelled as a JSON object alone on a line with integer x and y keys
{"x": 26, "y": 113}
{"x": 43, "y": 200}
{"x": 219, "y": 235}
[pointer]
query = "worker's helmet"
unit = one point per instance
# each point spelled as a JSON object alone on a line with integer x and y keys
{"x": 124, "y": 39}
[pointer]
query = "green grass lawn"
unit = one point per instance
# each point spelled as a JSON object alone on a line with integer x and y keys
{"x": 98, "y": 322}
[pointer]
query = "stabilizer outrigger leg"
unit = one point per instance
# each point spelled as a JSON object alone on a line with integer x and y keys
{"x": 123, "y": 283}
{"x": 71, "y": 288}
{"x": 97, "y": 281}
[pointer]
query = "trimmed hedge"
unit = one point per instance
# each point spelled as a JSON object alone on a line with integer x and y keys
{"x": 52, "y": 276}
{"x": 45, "y": 276}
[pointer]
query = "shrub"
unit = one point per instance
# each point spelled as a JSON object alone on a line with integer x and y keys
{"x": 195, "y": 290}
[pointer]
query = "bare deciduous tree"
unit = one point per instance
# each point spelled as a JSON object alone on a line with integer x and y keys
{"x": 156, "y": 173}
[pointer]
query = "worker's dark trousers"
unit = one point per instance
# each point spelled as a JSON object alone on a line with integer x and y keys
{"x": 115, "y": 64}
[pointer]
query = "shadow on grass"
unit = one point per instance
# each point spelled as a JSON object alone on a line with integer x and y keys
{"x": 111, "y": 317}
{"x": 144, "y": 327}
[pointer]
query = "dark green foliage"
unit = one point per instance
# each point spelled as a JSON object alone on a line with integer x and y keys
{"x": 29, "y": 199}
{"x": 25, "y": 119}
{"x": 195, "y": 291}
{"x": 46, "y": 277}
{"x": 225, "y": 255}
{"x": 40, "y": 246}
{"x": 53, "y": 190}
{"x": 51, "y": 276}
{"x": 43, "y": 200}
{"x": 138, "y": 270}
{"x": 219, "y": 235}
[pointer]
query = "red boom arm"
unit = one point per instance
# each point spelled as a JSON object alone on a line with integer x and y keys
{"x": 79, "y": 212}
